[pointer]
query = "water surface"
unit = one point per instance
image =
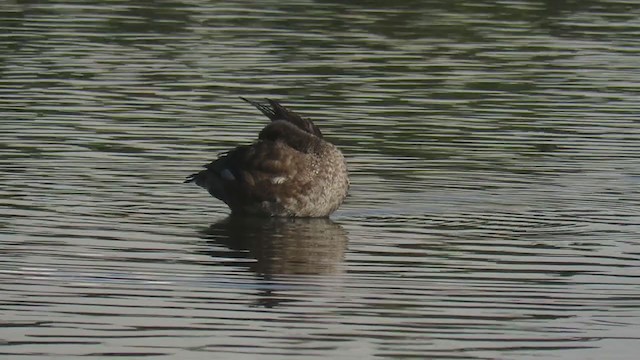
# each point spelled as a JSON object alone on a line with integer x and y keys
{"x": 493, "y": 151}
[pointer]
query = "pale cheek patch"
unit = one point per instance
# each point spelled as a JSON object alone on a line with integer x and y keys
{"x": 227, "y": 175}
{"x": 278, "y": 179}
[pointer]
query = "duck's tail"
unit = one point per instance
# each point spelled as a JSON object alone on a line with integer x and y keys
{"x": 210, "y": 181}
{"x": 277, "y": 112}
{"x": 192, "y": 178}
{"x": 219, "y": 174}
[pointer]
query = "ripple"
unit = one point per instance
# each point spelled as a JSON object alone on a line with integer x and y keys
{"x": 493, "y": 158}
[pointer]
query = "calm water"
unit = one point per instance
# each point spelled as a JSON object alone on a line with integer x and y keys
{"x": 494, "y": 154}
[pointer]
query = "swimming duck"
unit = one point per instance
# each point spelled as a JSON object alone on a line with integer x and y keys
{"x": 290, "y": 171}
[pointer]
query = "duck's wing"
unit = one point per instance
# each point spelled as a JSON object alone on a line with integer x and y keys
{"x": 274, "y": 111}
{"x": 218, "y": 175}
{"x": 252, "y": 174}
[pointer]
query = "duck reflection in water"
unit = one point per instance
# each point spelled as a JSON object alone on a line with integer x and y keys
{"x": 290, "y": 246}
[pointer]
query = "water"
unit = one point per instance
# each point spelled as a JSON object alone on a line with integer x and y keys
{"x": 493, "y": 150}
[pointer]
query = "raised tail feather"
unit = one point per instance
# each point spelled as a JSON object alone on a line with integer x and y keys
{"x": 277, "y": 112}
{"x": 267, "y": 111}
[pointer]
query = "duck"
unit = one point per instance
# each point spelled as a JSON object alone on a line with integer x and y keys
{"x": 289, "y": 171}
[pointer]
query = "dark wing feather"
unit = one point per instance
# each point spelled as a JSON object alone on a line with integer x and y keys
{"x": 253, "y": 168}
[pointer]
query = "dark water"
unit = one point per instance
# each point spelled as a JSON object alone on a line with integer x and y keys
{"x": 493, "y": 148}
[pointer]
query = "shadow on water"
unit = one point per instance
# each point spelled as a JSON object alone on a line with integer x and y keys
{"x": 281, "y": 246}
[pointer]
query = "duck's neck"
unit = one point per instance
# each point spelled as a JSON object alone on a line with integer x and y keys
{"x": 291, "y": 135}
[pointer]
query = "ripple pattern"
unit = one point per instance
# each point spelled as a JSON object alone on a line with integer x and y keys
{"x": 492, "y": 146}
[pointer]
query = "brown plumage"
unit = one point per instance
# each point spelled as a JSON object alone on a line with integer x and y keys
{"x": 289, "y": 171}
